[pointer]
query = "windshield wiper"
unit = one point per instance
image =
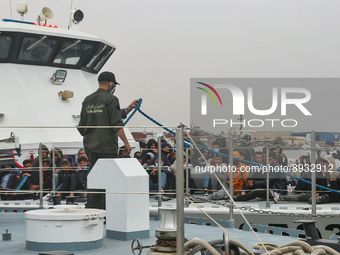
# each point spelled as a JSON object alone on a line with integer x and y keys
{"x": 100, "y": 51}
{"x": 78, "y": 41}
{"x": 107, "y": 55}
{"x": 42, "y": 38}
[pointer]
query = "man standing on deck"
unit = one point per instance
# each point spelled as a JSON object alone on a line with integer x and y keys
{"x": 101, "y": 108}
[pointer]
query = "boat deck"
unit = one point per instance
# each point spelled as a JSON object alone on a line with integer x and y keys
{"x": 282, "y": 214}
{"x": 15, "y": 223}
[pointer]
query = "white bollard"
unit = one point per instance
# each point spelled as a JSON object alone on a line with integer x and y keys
{"x": 127, "y": 215}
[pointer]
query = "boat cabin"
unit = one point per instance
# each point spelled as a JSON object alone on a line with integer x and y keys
{"x": 32, "y": 43}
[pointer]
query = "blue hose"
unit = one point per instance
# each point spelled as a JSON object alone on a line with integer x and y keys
{"x": 134, "y": 111}
{"x": 22, "y": 183}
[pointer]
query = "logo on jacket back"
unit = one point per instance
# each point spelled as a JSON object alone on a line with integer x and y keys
{"x": 94, "y": 108}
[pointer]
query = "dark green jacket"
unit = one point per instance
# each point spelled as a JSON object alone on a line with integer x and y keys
{"x": 36, "y": 159}
{"x": 100, "y": 109}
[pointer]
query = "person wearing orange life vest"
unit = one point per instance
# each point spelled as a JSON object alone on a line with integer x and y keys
{"x": 240, "y": 174}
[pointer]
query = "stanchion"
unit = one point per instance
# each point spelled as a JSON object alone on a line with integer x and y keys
{"x": 179, "y": 191}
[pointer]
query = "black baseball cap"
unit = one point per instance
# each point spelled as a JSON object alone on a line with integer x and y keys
{"x": 107, "y": 76}
{"x": 65, "y": 160}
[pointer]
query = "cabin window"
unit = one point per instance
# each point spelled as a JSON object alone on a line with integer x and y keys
{"x": 36, "y": 48}
{"x": 105, "y": 57}
{"x": 5, "y": 42}
{"x": 56, "y": 51}
{"x": 73, "y": 52}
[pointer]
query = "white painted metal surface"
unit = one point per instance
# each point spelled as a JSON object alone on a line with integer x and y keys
{"x": 64, "y": 226}
{"x": 27, "y": 28}
{"x": 29, "y": 98}
{"x": 292, "y": 212}
{"x": 125, "y": 212}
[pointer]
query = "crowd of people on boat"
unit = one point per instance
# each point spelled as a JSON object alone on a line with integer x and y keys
{"x": 248, "y": 185}
{"x": 16, "y": 179}
{"x": 70, "y": 178}
{"x": 326, "y": 168}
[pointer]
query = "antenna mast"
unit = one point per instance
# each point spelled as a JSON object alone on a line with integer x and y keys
{"x": 10, "y": 7}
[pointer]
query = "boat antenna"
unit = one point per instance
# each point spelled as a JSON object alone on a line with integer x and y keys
{"x": 10, "y": 7}
{"x": 69, "y": 22}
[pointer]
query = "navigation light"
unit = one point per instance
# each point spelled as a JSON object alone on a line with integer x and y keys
{"x": 59, "y": 77}
{"x": 76, "y": 16}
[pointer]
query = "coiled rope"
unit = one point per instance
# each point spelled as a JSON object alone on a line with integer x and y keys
{"x": 297, "y": 247}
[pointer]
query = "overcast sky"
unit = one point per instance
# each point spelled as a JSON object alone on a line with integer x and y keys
{"x": 162, "y": 44}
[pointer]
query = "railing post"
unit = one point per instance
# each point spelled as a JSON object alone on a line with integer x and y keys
{"x": 187, "y": 172}
{"x": 312, "y": 157}
{"x": 231, "y": 178}
{"x": 159, "y": 171}
{"x": 40, "y": 177}
{"x": 267, "y": 178}
{"x": 53, "y": 173}
{"x": 179, "y": 191}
